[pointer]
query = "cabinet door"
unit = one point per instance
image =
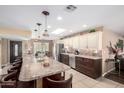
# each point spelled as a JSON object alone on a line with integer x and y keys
{"x": 100, "y": 40}
{"x": 60, "y": 41}
{"x": 93, "y": 40}
{"x": 65, "y": 42}
{"x": 70, "y": 42}
{"x": 76, "y": 42}
{"x": 64, "y": 59}
{"x": 83, "y": 42}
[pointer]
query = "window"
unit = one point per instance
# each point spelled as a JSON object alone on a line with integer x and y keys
{"x": 41, "y": 47}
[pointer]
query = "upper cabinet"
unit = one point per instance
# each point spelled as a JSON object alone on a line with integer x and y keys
{"x": 70, "y": 41}
{"x": 100, "y": 40}
{"x": 95, "y": 40}
{"x": 66, "y": 42}
{"x": 91, "y": 41}
{"x": 75, "y": 42}
{"x": 83, "y": 41}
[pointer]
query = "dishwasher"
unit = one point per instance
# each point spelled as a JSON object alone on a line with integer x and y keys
{"x": 72, "y": 60}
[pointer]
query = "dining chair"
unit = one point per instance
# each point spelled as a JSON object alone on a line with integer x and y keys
{"x": 15, "y": 67}
{"x": 59, "y": 84}
{"x": 9, "y": 80}
{"x": 57, "y": 77}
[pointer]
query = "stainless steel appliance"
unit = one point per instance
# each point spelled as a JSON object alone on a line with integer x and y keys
{"x": 58, "y": 48}
{"x": 72, "y": 60}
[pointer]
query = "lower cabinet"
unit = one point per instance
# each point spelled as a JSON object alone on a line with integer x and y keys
{"x": 89, "y": 67}
{"x": 64, "y": 59}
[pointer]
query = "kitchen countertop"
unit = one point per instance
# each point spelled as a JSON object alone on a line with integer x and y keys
{"x": 32, "y": 70}
{"x": 85, "y": 56}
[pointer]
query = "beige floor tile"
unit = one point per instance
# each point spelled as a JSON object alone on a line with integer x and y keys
{"x": 74, "y": 72}
{"x": 120, "y": 86}
{"x": 79, "y": 85}
{"x": 82, "y": 81}
{"x": 76, "y": 75}
{"x": 104, "y": 85}
{"x": 89, "y": 82}
{"x": 108, "y": 81}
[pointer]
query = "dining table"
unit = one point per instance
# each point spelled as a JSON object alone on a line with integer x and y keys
{"x": 35, "y": 69}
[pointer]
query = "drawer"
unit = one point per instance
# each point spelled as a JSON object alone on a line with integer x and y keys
{"x": 79, "y": 59}
{"x": 64, "y": 59}
{"x": 88, "y": 62}
{"x": 83, "y": 66}
{"x": 85, "y": 62}
{"x": 78, "y": 62}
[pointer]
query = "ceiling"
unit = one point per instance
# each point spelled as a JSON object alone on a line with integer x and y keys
{"x": 26, "y": 17}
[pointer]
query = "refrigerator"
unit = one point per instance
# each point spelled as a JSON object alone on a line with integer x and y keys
{"x": 58, "y": 49}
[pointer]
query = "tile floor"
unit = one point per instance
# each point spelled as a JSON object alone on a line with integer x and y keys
{"x": 83, "y": 81}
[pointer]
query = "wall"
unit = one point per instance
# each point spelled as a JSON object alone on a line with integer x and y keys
{"x": 5, "y": 51}
{"x": 0, "y": 54}
{"x": 107, "y": 37}
{"x": 15, "y": 32}
{"x": 5, "y": 44}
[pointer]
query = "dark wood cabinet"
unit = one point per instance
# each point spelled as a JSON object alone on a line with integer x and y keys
{"x": 64, "y": 59}
{"x": 89, "y": 67}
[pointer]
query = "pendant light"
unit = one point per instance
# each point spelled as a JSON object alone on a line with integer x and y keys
{"x": 39, "y": 24}
{"x": 37, "y": 30}
{"x": 45, "y": 33}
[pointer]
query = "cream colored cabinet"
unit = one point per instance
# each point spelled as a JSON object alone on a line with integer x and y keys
{"x": 60, "y": 41}
{"x": 70, "y": 42}
{"x": 100, "y": 40}
{"x": 65, "y": 41}
{"x": 94, "y": 40}
{"x": 83, "y": 41}
{"x": 76, "y": 42}
{"x": 90, "y": 40}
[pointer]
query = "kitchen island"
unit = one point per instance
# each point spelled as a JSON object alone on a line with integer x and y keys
{"x": 33, "y": 70}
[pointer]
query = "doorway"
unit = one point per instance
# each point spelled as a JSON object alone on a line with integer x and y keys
{"x": 15, "y": 50}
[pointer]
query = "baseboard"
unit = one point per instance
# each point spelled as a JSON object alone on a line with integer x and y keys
{"x": 108, "y": 72}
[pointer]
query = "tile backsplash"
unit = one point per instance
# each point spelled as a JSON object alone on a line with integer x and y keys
{"x": 88, "y": 52}
{"x": 91, "y": 52}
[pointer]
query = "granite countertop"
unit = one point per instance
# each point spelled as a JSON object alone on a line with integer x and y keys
{"x": 32, "y": 70}
{"x": 85, "y": 56}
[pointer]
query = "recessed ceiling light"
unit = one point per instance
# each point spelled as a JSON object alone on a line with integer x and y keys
{"x": 58, "y": 31}
{"x": 70, "y": 31}
{"x": 84, "y": 25}
{"x": 48, "y": 26}
{"x": 59, "y": 18}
